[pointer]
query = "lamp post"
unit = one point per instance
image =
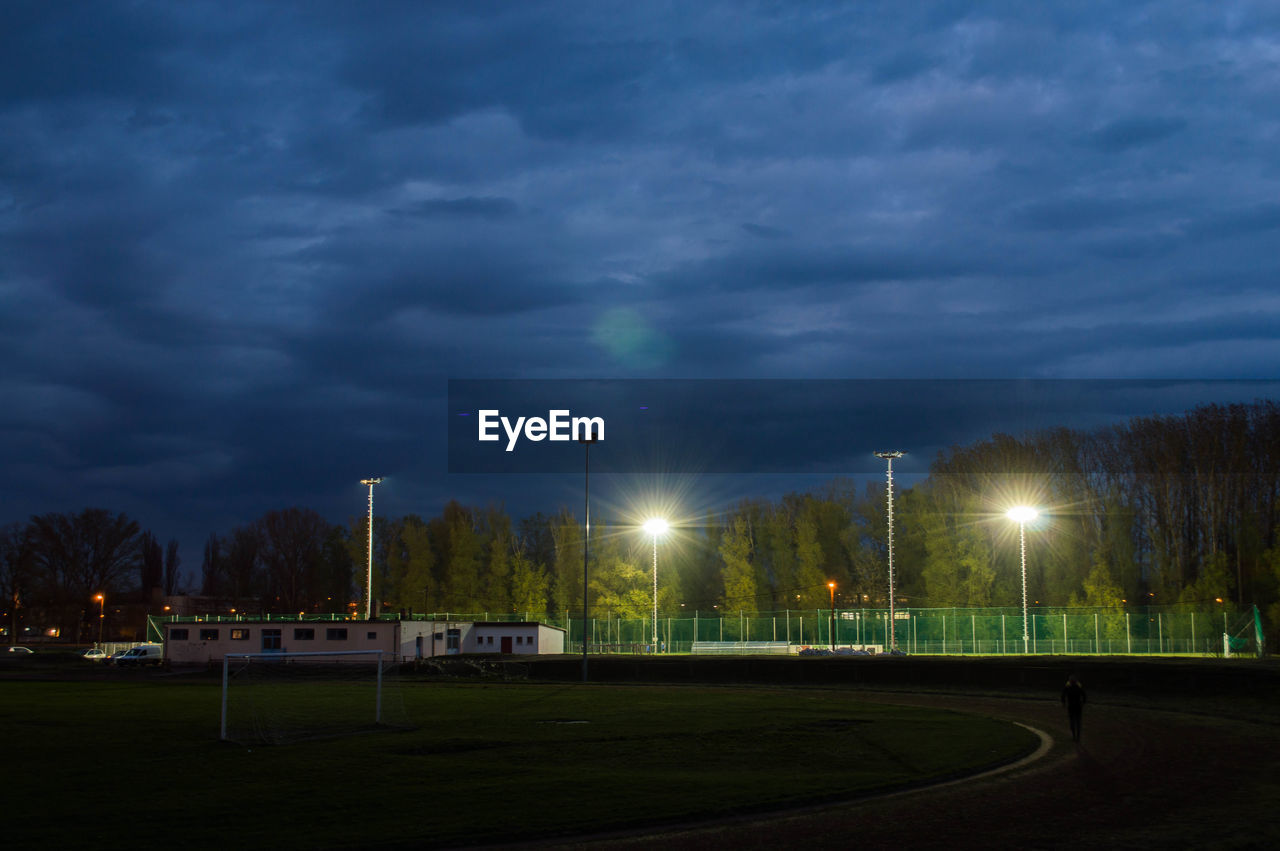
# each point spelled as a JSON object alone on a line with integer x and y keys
{"x": 586, "y": 441}
{"x": 1022, "y": 515}
{"x": 831, "y": 633}
{"x": 368, "y": 603}
{"x": 102, "y": 613}
{"x": 888, "y": 457}
{"x": 655, "y": 527}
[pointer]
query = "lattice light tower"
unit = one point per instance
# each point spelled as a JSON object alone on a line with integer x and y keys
{"x": 368, "y": 587}
{"x": 888, "y": 457}
{"x": 655, "y": 527}
{"x": 1022, "y": 515}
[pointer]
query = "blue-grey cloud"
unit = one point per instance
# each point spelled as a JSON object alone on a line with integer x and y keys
{"x": 243, "y": 245}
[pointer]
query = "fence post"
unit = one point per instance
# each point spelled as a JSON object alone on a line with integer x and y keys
{"x": 1097, "y": 644}
{"x": 944, "y": 635}
{"x": 1193, "y": 632}
{"x": 1066, "y": 647}
{"x": 1128, "y": 637}
{"x": 1159, "y": 632}
{"x": 1004, "y": 648}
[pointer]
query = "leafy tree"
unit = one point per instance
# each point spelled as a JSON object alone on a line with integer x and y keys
{"x": 736, "y": 550}
{"x": 529, "y": 585}
{"x": 566, "y": 587}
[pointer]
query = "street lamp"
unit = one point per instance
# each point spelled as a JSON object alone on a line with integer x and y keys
{"x": 889, "y": 456}
{"x": 368, "y": 603}
{"x": 586, "y": 440}
{"x": 831, "y": 633}
{"x": 1022, "y": 515}
{"x": 102, "y": 613}
{"x": 655, "y": 527}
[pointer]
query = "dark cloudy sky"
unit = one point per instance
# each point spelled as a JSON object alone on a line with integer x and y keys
{"x": 243, "y": 245}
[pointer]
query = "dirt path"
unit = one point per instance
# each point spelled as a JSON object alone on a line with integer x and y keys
{"x": 1140, "y": 778}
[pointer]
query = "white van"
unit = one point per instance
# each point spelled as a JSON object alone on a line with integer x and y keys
{"x": 143, "y": 654}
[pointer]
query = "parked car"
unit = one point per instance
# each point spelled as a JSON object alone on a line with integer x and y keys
{"x": 143, "y": 654}
{"x": 115, "y": 657}
{"x": 94, "y": 654}
{"x": 21, "y": 651}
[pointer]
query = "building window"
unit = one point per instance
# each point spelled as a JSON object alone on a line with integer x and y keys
{"x": 271, "y": 639}
{"x": 489, "y": 640}
{"x": 519, "y": 639}
{"x": 304, "y": 635}
{"x": 335, "y": 634}
{"x": 372, "y": 636}
{"x": 177, "y": 635}
{"x": 439, "y": 636}
{"x": 455, "y": 639}
{"x": 208, "y": 635}
{"x": 239, "y": 635}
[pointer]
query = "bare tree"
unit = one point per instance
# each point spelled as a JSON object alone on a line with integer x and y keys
{"x": 171, "y": 562}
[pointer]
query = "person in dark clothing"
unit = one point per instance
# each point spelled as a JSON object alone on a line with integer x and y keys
{"x": 1073, "y": 699}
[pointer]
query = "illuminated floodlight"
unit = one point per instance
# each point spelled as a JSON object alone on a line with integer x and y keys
{"x": 1022, "y": 514}
{"x": 656, "y": 526}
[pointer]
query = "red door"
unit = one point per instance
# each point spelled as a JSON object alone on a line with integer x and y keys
{"x": 506, "y": 644}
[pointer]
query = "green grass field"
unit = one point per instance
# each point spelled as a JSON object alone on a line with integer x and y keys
{"x": 129, "y": 763}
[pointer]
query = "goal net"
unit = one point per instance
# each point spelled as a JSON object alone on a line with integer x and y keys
{"x": 275, "y": 698}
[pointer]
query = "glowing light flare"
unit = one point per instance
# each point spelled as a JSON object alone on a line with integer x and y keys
{"x": 1022, "y": 514}
{"x": 656, "y": 526}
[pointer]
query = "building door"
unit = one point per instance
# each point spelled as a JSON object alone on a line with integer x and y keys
{"x": 506, "y": 644}
{"x": 417, "y": 644}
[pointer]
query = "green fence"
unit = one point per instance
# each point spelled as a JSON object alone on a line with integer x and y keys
{"x": 989, "y": 631}
{"x": 954, "y": 631}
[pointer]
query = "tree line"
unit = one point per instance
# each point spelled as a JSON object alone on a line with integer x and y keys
{"x": 1169, "y": 510}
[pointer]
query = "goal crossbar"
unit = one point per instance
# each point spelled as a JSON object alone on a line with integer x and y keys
{"x": 283, "y": 657}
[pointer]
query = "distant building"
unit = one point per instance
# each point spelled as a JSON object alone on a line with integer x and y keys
{"x": 198, "y": 641}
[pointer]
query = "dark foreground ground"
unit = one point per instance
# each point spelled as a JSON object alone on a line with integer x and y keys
{"x": 1175, "y": 754}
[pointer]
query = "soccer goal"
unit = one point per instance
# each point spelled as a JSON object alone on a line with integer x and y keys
{"x": 274, "y": 698}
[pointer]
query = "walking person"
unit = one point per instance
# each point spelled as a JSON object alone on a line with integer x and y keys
{"x": 1073, "y": 699}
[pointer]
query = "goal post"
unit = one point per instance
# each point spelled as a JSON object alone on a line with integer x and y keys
{"x": 282, "y": 697}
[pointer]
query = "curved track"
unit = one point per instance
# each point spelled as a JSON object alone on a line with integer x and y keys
{"x": 1139, "y": 778}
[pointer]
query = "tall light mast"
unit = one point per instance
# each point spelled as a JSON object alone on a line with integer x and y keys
{"x": 368, "y": 586}
{"x": 888, "y": 457}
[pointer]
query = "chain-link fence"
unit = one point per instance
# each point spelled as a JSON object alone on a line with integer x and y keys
{"x": 1172, "y": 630}
{"x": 990, "y": 631}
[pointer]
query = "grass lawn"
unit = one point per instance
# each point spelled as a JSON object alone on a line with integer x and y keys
{"x": 129, "y": 763}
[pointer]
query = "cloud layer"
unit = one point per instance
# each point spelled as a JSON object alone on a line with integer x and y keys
{"x": 243, "y": 245}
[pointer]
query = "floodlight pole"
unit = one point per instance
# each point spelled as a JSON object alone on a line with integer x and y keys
{"x": 1022, "y": 543}
{"x": 586, "y": 441}
{"x": 368, "y": 603}
{"x": 888, "y": 457}
{"x": 655, "y": 592}
{"x": 1020, "y": 515}
{"x": 831, "y": 632}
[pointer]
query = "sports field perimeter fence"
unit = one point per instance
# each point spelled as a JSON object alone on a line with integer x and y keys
{"x": 995, "y": 631}
{"x": 1154, "y": 630}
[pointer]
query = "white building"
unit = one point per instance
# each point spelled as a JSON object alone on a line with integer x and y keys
{"x": 203, "y": 640}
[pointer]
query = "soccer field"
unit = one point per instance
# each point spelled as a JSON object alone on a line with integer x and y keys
{"x": 128, "y": 764}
